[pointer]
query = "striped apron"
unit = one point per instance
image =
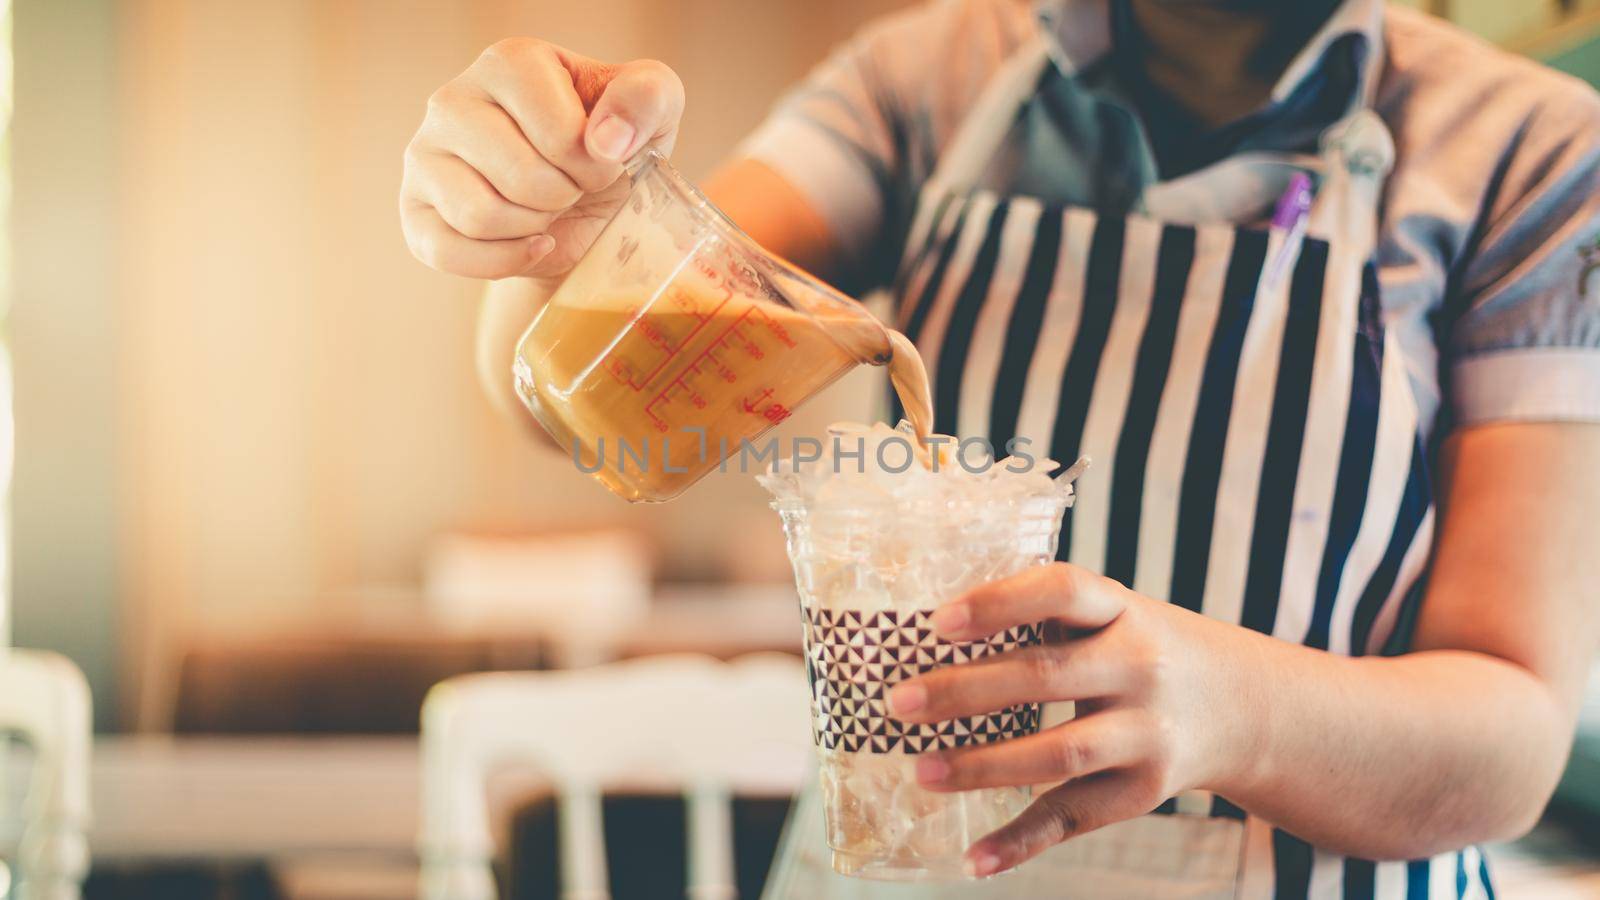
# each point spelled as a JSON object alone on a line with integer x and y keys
{"x": 1258, "y": 455}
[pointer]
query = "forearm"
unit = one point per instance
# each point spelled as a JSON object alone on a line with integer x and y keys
{"x": 1464, "y": 740}
{"x": 769, "y": 209}
{"x": 508, "y": 307}
{"x": 1392, "y": 758}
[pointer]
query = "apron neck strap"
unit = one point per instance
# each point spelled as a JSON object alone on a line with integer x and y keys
{"x": 1355, "y": 156}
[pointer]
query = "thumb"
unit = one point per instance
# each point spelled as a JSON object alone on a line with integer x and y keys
{"x": 640, "y": 104}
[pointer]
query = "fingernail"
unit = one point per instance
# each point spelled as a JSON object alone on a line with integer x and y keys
{"x": 981, "y": 865}
{"x": 610, "y": 138}
{"x": 951, "y": 618}
{"x": 907, "y": 698}
{"x": 539, "y": 246}
{"x": 932, "y": 770}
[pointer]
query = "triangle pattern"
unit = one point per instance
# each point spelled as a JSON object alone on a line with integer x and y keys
{"x": 853, "y": 657}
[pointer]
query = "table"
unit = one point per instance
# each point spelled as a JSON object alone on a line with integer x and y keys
{"x": 335, "y": 817}
{"x": 160, "y": 798}
{"x": 341, "y": 813}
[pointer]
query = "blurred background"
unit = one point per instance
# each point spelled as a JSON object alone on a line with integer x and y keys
{"x": 242, "y": 404}
{"x": 256, "y": 490}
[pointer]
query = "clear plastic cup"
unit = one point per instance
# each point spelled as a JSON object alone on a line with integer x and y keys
{"x": 676, "y": 337}
{"x": 868, "y": 584}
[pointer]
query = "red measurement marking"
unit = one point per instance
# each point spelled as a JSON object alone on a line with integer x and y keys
{"x": 711, "y": 273}
{"x": 649, "y": 326}
{"x": 754, "y": 406}
{"x": 750, "y": 347}
{"x": 776, "y": 328}
{"x": 652, "y": 333}
{"x": 665, "y": 398}
{"x": 620, "y": 370}
{"x": 655, "y": 409}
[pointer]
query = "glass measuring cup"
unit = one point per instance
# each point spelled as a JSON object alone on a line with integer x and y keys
{"x": 676, "y": 337}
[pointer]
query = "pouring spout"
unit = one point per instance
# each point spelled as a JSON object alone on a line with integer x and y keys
{"x": 862, "y": 335}
{"x": 847, "y": 322}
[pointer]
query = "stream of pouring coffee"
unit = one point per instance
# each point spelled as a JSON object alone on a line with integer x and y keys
{"x": 862, "y": 335}
{"x": 910, "y": 380}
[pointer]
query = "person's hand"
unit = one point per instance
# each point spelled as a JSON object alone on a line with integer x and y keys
{"x": 519, "y": 161}
{"x": 1157, "y": 705}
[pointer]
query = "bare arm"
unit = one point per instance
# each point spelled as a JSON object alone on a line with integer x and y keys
{"x": 1464, "y": 739}
{"x": 1458, "y": 742}
{"x": 507, "y": 308}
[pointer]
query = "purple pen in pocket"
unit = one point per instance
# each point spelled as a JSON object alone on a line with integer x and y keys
{"x": 1291, "y": 217}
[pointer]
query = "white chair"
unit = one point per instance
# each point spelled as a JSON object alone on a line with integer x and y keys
{"x": 581, "y": 589}
{"x": 680, "y": 722}
{"x": 44, "y": 701}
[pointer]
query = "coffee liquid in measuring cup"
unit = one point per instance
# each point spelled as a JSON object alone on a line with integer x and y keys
{"x": 649, "y": 394}
{"x": 676, "y": 338}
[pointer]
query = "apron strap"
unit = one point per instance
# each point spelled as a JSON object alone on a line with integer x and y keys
{"x": 1358, "y": 155}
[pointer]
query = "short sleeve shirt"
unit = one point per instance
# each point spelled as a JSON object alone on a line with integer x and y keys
{"x": 1489, "y": 235}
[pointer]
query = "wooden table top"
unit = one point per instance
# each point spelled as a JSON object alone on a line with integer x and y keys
{"x": 253, "y": 798}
